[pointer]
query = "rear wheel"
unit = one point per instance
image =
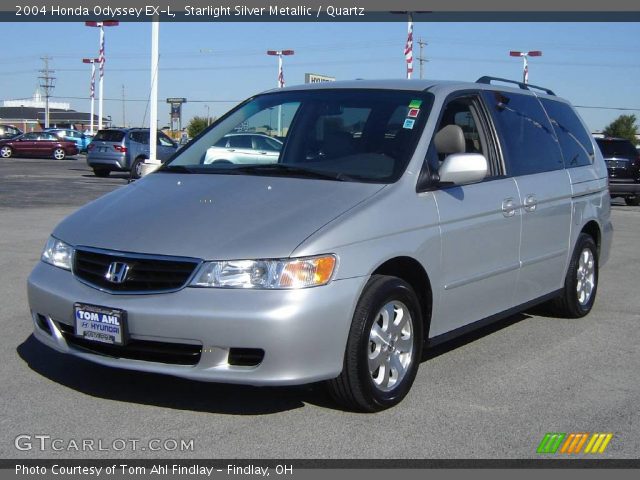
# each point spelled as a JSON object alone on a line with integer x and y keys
{"x": 136, "y": 168}
{"x": 384, "y": 347}
{"x": 59, "y": 154}
{"x": 632, "y": 201}
{"x": 581, "y": 282}
{"x": 6, "y": 152}
{"x": 101, "y": 172}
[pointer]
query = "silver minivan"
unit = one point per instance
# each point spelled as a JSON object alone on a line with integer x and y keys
{"x": 398, "y": 215}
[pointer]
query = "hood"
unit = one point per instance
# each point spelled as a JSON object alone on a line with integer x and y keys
{"x": 213, "y": 217}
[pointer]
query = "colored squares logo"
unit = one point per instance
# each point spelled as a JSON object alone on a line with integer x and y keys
{"x": 573, "y": 443}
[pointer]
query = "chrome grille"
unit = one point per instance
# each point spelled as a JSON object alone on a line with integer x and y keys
{"x": 145, "y": 273}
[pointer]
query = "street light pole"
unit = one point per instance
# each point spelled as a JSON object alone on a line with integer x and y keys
{"x": 280, "y": 54}
{"x": 92, "y": 90}
{"x": 525, "y": 63}
{"x": 101, "y": 58}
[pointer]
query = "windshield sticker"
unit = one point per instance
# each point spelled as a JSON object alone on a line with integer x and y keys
{"x": 415, "y": 103}
{"x": 413, "y": 113}
{"x": 408, "y": 123}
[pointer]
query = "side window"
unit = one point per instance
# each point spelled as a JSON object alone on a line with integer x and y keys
{"x": 140, "y": 137}
{"x": 575, "y": 141}
{"x": 466, "y": 130}
{"x": 164, "y": 141}
{"x": 528, "y": 141}
{"x": 265, "y": 143}
{"x": 240, "y": 141}
{"x": 222, "y": 143}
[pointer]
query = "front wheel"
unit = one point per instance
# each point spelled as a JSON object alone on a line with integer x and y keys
{"x": 581, "y": 282}
{"x": 384, "y": 347}
{"x": 632, "y": 201}
{"x": 6, "y": 152}
{"x": 59, "y": 154}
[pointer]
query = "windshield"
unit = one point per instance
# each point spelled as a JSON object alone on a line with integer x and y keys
{"x": 345, "y": 135}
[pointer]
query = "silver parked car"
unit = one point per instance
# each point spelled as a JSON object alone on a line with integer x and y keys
{"x": 398, "y": 215}
{"x": 245, "y": 148}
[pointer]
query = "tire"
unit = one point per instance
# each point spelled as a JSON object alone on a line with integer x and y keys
{"x": 6, "y": 152}
{"x": 136, "y": 168}
{"x": 632, "y": 201}
{"x": 379, "y": 366}
{"x": 59, "y": 153}
{"x": 101, "y": 172}
{"x": 581, "y": 282}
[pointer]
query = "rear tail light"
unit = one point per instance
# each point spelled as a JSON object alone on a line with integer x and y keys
{"x": 90, "y": 147}
{"x": 120, "y": 148}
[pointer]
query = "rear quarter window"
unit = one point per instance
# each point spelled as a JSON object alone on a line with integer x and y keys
{"x": 109, "y": 136}
{"x": 527, "y": 138}
{"x": 575, "y": 141}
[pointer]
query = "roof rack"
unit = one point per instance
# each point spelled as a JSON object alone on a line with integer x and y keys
{"x": 523, "y": 86}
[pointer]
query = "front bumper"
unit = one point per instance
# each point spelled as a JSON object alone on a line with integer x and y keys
{"x": 302, "y": 332}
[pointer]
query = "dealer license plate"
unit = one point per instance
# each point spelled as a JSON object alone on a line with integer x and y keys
{"x": 100, "y": 324}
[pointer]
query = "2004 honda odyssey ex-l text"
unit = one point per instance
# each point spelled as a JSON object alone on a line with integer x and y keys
{"x": 396, "y": 215}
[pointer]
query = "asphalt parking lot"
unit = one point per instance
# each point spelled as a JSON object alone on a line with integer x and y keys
{"x": 491, "y": 395}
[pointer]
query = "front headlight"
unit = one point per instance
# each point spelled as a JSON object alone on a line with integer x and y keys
{"x": 57, "y": 253}
{"x": 267, "y": 274}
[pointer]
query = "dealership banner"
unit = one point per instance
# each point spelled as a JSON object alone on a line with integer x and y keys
{"x": 317, "y": 10}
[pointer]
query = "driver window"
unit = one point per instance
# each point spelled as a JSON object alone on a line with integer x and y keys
{"x": 460, "y": 130}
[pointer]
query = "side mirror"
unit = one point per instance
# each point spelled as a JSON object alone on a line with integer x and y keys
{"x": 463, "y": 168}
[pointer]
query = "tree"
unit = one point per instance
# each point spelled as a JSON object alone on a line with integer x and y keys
{"x": 624, "y": 127}
{"x": 197, "y": 124}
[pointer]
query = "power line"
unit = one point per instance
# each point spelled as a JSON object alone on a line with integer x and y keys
{"x": 608, "y": 108}
{"x": 207, "y": 100}
{"x": 145, "y": 99}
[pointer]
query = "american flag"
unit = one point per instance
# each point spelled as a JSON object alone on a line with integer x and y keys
{"x": 93, "y": 80}
{"x": 408, "y": 48}
{"x": 101, "y": 53}
{"x": 280, "y": 75}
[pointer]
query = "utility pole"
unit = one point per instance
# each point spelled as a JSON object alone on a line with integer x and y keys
{"x": 421, "y": 59}
{"x": 124, "y": 121}
{"x": 47, "y": 82}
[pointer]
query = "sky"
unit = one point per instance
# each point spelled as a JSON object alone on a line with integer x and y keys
{"x": 216, "y": 65}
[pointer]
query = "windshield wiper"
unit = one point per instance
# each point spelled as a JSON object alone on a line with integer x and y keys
{"x": 283, "y": 168}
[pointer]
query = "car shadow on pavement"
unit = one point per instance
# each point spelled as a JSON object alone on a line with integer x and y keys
{"x": 163, "y": 390}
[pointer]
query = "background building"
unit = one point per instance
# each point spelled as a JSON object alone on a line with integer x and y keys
{"x": 29, "y": 114}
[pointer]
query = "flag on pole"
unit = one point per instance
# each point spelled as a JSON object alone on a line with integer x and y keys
{"x": 101, "y": 53}
{"x": 93, "y": 80}
{"x": 280, "y": 74}
{"x": 408, "y": 48}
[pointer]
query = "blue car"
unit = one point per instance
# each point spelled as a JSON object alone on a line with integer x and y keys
{"x": 81, "y": 140}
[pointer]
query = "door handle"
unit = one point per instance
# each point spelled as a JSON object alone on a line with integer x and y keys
{"x": 508, "y": 207}
{"x": 530, "y": 203}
